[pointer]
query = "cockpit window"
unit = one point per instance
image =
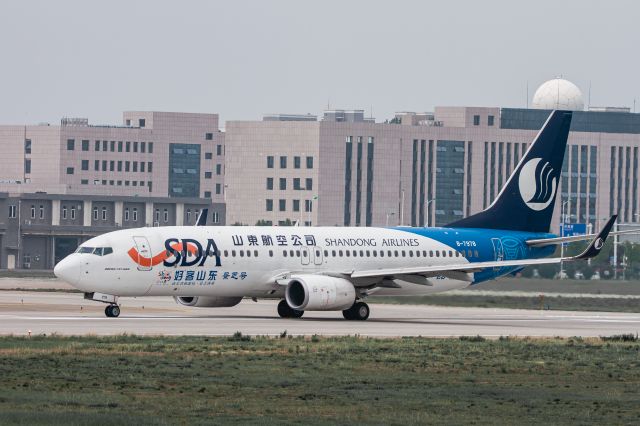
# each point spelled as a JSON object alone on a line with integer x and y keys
{"x": 98, "y": 251}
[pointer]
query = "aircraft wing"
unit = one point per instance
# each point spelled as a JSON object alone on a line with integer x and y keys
{"x": 425, "y": 271}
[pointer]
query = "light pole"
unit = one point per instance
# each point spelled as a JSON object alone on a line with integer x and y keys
{"x": 388, "y": 215}
{"x": 562, "y": 244}
{"x": 426, "y": 222}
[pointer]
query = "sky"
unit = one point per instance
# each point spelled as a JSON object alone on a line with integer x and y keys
{"x": 244, "y": 58}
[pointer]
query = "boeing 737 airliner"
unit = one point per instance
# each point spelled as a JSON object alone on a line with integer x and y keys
{"x": 331, "y": 268}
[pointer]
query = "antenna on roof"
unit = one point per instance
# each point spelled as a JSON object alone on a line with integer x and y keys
{"x": 589, "y": 97}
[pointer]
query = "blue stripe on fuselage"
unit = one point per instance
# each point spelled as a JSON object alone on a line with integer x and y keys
{"x": 513, "y": 246}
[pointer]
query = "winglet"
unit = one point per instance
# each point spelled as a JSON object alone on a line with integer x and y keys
{"x": 598, "y": 242}
{"x": 202, "y": 219}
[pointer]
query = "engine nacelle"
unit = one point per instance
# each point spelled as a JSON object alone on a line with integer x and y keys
{"x": 320, "y": 293}
{"x": 207, "y": 302}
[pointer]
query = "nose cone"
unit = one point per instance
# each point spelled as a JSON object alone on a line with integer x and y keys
{"x": 68, "y": 269}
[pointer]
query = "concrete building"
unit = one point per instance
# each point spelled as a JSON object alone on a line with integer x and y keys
{"x": 60, "y": 185}
{"x": 157, "y": 154}
{"x": 425, "y": 169}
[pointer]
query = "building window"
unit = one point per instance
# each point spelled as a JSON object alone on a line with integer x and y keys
{"x": 69, "y": 170}
{"x": 142, "y": 164}
{"x": 84, "y": 182}
{"x": 71, "y": 144}
{"x": 95, "y": 213}
{"x": 126, "y": 214}
{"x": 296, "y": 162}
{"x": 476, "y": 120}
{"x": 135, "y": 166}
{"x": 270, "y": 162}
{"x": 208, "y": 136}
{"x": 142, "y": 122}
{"x": 207, "y": 194}
{"x": 33, "y": 211}
{"x": 188, "y": 215}
{"x": 85, "y": 164}
{"x": 104, "y": 213}
{"x": 218, "y": 149}
{"x": 490, "y": 120}
{"x": 119, "y": 165}
{"x": 127, "y": 166}
{"x": 150, "y": 147}
{"x": 282, "y": 205}
{"x": 112, "y": 165}
{"x": 269, "y": 205}
{"x": 308, "y": 205}
{"x": 112, "y": 146}
{"x": 283, "y": 162}
{"x": 166, "y": 215}
{"x": 216, "y": 217}
{"x": 149, "y": 166}
{"x": 207, "y": 175}
{"x": 143, "y": 147}
{"x": 104, "y": 145}
{"x": 119, "y": 146}
{"x": 96, "y": 146}
{"x": 309, "y": 162}
{"x": 135, "y": 147}
{"x": 27, "y": 146}
{"x": 269, "y": 183}
{"x": 127, "y": 146}
{"x": 218, "y": 189}
{"x": 283, "y": 184}
{"x": 64, "y": 212}
{"x": 85, "y": 145}
{"x": 296, "y": 205}
{"x": 135, "y": 214}
{"x": 12, "y": 211}
{"x": 208, "y": 155}
{"x": 104, "y": 165}
{"x": 96, "y": 165}
{"x": 73, "y": 213}
{"x": 309, "y": 184}
{"x": 27, "y": 166}
{"x": 218, "y": 169}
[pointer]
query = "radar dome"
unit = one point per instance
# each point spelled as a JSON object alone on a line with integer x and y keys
{"x": 558, "y": 94}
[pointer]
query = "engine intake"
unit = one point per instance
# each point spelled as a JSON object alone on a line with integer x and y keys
{"x": 320, "y": 293}
{"x": 207, "y": 302}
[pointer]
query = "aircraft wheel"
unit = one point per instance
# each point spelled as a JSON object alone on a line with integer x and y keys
{"x": 359, "y": 311}
{"x": 286, "y": 311}
{"x": 112, "y": 311}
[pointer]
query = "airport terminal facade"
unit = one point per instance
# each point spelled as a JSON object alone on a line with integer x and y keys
{"x": 62, "y": 184}
{"x": 421, "y": 169}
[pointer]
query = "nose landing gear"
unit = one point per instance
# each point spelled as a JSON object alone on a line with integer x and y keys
{"x": 112, "y": 311}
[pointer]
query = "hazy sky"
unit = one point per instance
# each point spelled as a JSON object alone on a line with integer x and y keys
{"x": 245, "y": 58}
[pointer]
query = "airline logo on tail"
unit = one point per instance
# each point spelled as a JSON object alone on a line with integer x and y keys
{"x": 537, "y": 184}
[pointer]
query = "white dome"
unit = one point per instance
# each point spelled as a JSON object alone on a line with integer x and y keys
{"x": 558, "y": 94}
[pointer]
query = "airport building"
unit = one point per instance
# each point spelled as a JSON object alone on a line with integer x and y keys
{"x": 63, "y": 184}
{"x": 425, "y": 168}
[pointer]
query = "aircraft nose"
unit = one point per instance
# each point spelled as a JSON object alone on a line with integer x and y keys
{"x": 68, "y": 270}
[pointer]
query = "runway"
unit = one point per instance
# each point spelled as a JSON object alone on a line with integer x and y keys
{"x": 69, "y": 314}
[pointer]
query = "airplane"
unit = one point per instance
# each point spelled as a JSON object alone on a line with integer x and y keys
{"x": 336, "y": 268}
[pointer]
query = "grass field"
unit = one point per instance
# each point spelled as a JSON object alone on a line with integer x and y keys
{"x": 192, "y": 380}
{"x": 519, "y": 302}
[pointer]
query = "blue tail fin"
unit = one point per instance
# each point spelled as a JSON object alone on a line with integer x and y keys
{"x": 526, "y": 201}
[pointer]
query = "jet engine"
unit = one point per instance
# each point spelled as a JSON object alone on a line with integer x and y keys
{"x": 207, "y": 302}
{"x": 319, "y": 293}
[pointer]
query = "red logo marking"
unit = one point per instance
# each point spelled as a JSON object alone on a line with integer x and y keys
{"x": 160, "y": 257}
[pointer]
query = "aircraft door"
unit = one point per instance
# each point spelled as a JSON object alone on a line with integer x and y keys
{"x": 305, "y": 255}
{"x": 144, "y": 253}
{"x": 317, "y": 255}
{"x": 498, "y": 251}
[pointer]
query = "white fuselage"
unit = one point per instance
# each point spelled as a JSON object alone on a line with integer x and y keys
{"x": 248, "y": 261}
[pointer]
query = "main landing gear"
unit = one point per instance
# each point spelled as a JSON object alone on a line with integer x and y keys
{"x": 112, "y": 311}
{"x": 286, "y": 311}
{"x": 359, "y": 311}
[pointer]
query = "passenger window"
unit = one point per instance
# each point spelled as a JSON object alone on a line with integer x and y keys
{"x": 361, "y": 253}
{"x": 333, "y": 253}
{"x": 270, "y": 253}
{"x": 355, "y": 253}
{"x": 475, "y": 253}
{"x": 403, "y": 253}
{"x": 389, "y": 253}
{"x": 290, "y": 253}
{"x": 375, "y": 253}
{"x": 395, "y": 253}
{"x": 450, "y": 253}
{"x": 233, "y": 253}
{"x": 417, "y": 253}
{"x": 255, "y": 253}
{"x": 430, "y": 253}
{"x": 424, "y": 253}
{"x": 284, "y": 253}
{"x": 248, "y": 253}
{"x": 318, "y": 253}
{"x": 444, "y": 253}
{"x": 381, "y": 253}
{"x": 241, "y": 253}
{"x": 226, "y": 253}
{"x": 346, "y": 252}
{"x": 340, "y": 253}
{"x": 368, "y": 253}
{"x": 410, "y": 253}
{"x": 304, "y": 253}
{"x": 437, "y": 253}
